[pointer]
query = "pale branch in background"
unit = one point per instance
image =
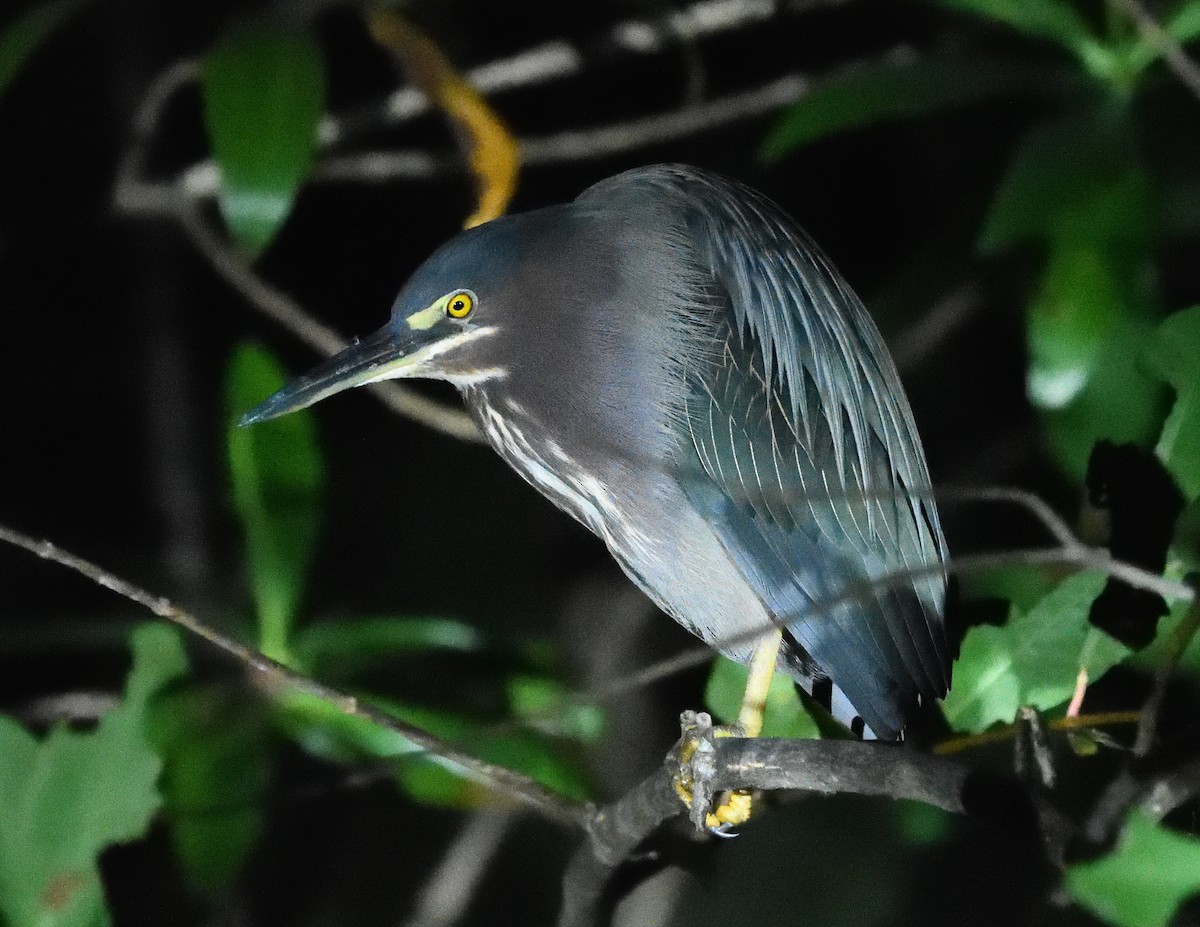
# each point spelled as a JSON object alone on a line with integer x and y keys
{"x": 290, "y": 315}
{"x": 447, "y": 893}
{"x": 1172, "y": 52}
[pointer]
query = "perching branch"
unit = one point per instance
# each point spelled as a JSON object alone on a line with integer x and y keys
{"x": 824, "y": 767}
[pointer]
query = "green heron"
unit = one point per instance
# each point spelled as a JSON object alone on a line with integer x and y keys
{"x": 671, "y": 360}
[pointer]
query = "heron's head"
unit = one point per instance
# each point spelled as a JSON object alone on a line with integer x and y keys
{"x": 583, "y": 314}
{"x": 465, "y": 316}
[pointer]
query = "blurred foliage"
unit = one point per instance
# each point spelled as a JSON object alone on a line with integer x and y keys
{"x": 277, "y": 476}
{"x": 22, "y": 38}
{"x": 1174, "y": 354}
{"x": 216, "y": 775}
{"x": 71, "y": 794}
{"x": 785, "y": 715}
{"x": 1144, "y": 880}
{"x": 264, "y": 93}
{"x": 1078, "y": 188}
{"x": 276, "y": 473}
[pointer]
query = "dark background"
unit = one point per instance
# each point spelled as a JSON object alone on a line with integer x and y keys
{"x": 115, "y": 333}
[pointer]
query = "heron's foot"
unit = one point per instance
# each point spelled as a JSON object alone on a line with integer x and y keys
{"x": 716, "y": 813}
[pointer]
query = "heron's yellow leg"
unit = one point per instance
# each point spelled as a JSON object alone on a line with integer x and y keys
{"x": 735, "y": 806}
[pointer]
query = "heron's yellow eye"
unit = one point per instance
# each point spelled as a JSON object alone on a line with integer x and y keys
{"x": 459, "y": 305}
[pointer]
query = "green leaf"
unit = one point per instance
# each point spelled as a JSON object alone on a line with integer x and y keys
{"x": 1068, "y": 321}
{"x": 277, "y": 477}
{"x": 22, "y": 38}
{"x": 341, "y": 649}
{"x": 264, "y": 91}
{"x": 1121, "y": 403}
{"x": 889, "y": 90}
{"x": 217, "y": 766}
{"x": 425, "y": 776}
{"x": 1033, "y": 660}
{"x": 73, "y": 793}
{"x": 545, "y": 705}
{"x": 785, "y": 715}
{"x": 1047, "y": 19}
{"x": 1075, "y": 177}
{"x": 1174, "y": 354}
{"x": 1144, "y": 880}
{"x": 1017, "y": 584}
{"x": 1184, "y": 24}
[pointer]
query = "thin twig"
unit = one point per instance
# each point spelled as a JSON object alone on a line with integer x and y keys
{"x": 1172, "y": 52}
{"x": 1009, "y": 731}
{"x": 1082, "y": 557}
{"x": 450, "y": 888}
{"x": 1177, "y": 643}
{"x": 275, "y": 676}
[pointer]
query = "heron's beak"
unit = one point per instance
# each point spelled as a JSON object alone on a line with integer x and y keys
{"x": 384, "y": 355}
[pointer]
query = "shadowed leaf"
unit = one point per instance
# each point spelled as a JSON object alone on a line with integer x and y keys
{"x": 264, "y": 91}
{"x": 71, "y": 794}
{"x": 1047, "y": 19}
{"x": 889, "y": 90}
{"x": 22, "y": 38}
{"x": 1174, "y": 354}
{"x": 217, "y": 769}
{"x": 277, "y": 478}
{"x": 1144, "y": 880}
{"x": 1074, "y": 177}
{"x": 340, "y": 648}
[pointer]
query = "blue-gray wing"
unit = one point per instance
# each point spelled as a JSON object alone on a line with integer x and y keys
{"x": 804, "y": 452}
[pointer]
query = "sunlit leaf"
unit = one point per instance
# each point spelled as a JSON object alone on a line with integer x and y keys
{"x": 217, "y": 766}
{"x": 1144, "y": 880}
{"x": 888, "y": 90}
{"x": 1048, "y": 19}
{"x": 1033, "y": 659}
{"x": 785, "y": 715}
{"x": 277, "y": 477}
{"x": 264, "y": 91}
{"x": 71, "y": 794}
{"x": 1174, "y": 353}
{"x": 22, "y": 38}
